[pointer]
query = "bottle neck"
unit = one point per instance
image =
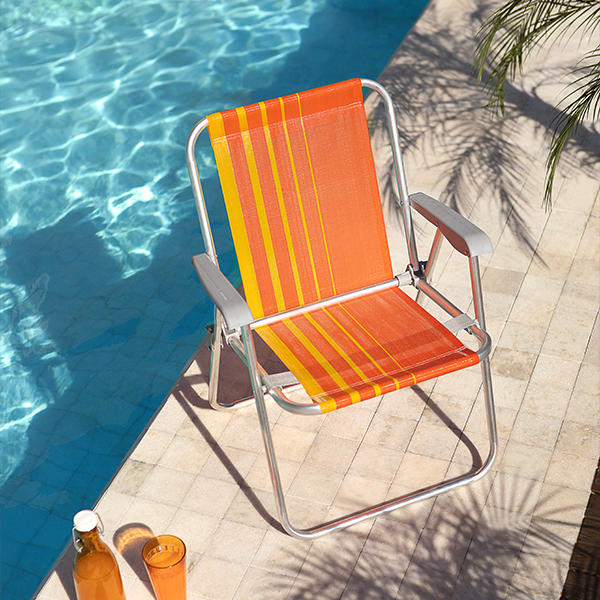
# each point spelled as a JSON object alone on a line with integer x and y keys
{"x": 88, "y": 540}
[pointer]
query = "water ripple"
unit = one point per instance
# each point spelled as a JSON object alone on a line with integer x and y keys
{"x": 99, "y": 306}
{"x": 97, "y": 100}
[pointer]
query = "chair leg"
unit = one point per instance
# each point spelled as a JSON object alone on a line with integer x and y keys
{"x": 378, "y": 509}
{"x": 215, "y": 367}
{"x": 490, "y": 411}
{"x": 215, "y": 360}
{"x": 433, "y": 256}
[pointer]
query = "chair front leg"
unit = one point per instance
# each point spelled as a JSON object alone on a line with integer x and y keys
{"x": 263, "y": 421}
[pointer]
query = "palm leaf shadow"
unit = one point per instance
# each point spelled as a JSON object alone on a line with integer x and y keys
{"x": 441, "y": 113}
{"x": 462, "y": 552}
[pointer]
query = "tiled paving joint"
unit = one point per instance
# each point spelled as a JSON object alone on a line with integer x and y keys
{"x": 202, "y": 475}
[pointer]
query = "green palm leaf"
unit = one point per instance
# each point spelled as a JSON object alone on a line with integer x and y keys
{"x": 513, "y": 33}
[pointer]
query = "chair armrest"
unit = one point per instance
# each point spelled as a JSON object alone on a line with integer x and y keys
{"x": 227, "y": 299}
{"x": 465, "y": 237}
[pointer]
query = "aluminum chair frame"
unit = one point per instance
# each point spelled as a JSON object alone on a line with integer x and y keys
{"x": 234, "y": 324}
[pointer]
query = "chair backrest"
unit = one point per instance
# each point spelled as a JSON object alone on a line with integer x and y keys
{"x": 302, "y": 197}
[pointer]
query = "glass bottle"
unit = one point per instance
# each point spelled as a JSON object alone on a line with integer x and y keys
{"x": 95, "y": 570}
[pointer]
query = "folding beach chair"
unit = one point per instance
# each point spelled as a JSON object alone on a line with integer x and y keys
{"x": 301, "y": 193}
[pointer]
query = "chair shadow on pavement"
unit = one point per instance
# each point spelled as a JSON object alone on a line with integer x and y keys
{"x": 233, "y": 386}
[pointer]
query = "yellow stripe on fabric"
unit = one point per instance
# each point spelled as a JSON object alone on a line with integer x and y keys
{"x": 299, "y": 196}
{"x": 354, "y": 395}
{"x": 341, "y": 352}
{"x": 312, "y": 174}
{"x": 382, "y": 347}
{"x": 282, "y": 209}
{"x": 328, "y": 405}
{"x": 358, "y": 345}
{"x": 287, "y": 356}
{"x": 260, "y": 209}
{"x": 236, "y": 219}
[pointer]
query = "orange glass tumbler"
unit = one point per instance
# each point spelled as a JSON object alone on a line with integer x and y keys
{"x": 164, "y": 557}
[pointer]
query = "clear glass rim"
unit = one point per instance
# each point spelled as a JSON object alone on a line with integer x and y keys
{"x": 161, "y": 540}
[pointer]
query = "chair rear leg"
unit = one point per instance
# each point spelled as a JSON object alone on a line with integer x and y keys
{"x": 216, "y": 351}
{"x": 216, "y": 346}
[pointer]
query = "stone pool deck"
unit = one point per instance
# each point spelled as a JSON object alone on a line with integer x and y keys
{"x": 202, "y": 475}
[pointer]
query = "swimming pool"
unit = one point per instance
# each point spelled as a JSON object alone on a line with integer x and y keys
{"x": 100, "y": 307}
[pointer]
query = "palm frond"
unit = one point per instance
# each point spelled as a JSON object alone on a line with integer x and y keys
{"x": 586, "y": 105}
{"x": 519, "y": 27}
{"x": 510, "y": 36}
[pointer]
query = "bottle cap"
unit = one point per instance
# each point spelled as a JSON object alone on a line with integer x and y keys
{"x": 85, "y": 520}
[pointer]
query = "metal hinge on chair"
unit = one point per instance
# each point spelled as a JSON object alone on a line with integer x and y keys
{"x": 226, "y": 333}
{"x": 406, "y": 278}
{"x": 210, "y": 330}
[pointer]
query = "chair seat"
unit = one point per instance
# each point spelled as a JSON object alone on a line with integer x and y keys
{"x": 365, "y": 347}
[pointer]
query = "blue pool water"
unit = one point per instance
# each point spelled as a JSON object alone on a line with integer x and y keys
{"x": 100, "y": 308}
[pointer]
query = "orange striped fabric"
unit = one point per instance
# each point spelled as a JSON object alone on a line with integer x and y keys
{"x": 299, "y": 181}
{"x": 362, "y": 348}
{"x": 303, "y": 203}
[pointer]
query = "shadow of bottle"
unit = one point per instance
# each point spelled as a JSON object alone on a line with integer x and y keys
{"x": 129, "y": 541}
